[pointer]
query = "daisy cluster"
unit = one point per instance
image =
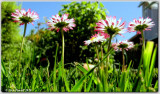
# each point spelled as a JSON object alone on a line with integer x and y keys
{"x": 104, "y": 29}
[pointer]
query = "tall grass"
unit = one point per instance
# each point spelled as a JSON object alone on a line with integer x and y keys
{"x": 78, "y": 79}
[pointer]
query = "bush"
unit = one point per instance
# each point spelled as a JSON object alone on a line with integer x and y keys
{"x": 86, "y": 14}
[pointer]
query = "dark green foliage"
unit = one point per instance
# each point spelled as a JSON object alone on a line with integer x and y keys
{"x": 45, "y": 42}
{"x": 86, "y": 14}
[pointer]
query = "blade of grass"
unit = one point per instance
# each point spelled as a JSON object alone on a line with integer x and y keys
{"x": 152, "y": 67}
{"x": 85, "y": 89}
{"x": 127, "y": 78}
{"x": 156, "y": 86}
{"x": 40, "y": 78}
{"x": 66, "y": 82}
{"x": 100, "y": 87}
{"x": 103, "y": 80}
{"x": 48, "y": 79}
{"x": 123, "y": 84}
{"x": 80, "y": 82}
{"x": 6, "y": 74}
{"x": 141, "y": 84}
{"x": 34, "y": 82}
{"x": 60, "y": 84}
{"x": 23, "y": 77}
{"x": 147, "y": 58}
{"x": 82, "y": 69}
{"x": 3, "y": 68}
{"x": 54, "y": 77}
{"x": 89, "y": 83}
{"x": 122, "y": 81}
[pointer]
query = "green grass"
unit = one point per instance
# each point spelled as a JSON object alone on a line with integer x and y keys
{"x": 77, "y": 78}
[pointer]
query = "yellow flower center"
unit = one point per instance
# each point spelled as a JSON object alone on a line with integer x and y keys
{"x": 92, "y": 38}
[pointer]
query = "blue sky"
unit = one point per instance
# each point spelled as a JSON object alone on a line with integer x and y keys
{"x": 127, "y": 10}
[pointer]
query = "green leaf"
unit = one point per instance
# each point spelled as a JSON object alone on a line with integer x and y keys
{"x": 84, "y": 2}
{"x": 3, "y": 67}
{"x": 59, "y": 70}
{"x": 156, "y": 86}
{"x": 34, "y": 81}
{"x": 89, "y": 83}
{"x": 127, "y": 78}
{"x": 40, "y": 78}
{"x": 66, "y": 82}
{"x": 23, "y": 77}
{"x": 60, "y": 76}
{"x": 54, "y": 76}
{"x": 152, "y": 67}
{"x": 80, "y": 82}
{"x": 101, "y": 5}
{"x": 82, "y": 69}
{"x": 146, "y": 59}
{"x": 122, "y": 81}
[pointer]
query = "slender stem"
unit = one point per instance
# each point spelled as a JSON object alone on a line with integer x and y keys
{"x": 109, "y": 42}
{"x": 99, "y": 68}
{"x": 123, "y": 60}
{"x": 19, "y": 70}
{"x": 143, "y": 40}
{"x": 143, "y": 48}
{"x": 25, "y": 26}
{"x": 48, "y": 79}
{"x": 108, "y": 48}
{"x": 101, "y": 52}
{"x": 97, "y": 51}
{"x": 106, "y": 65}
{"x": 102, "y": 64}
{"x": 62, "y": 51}
{"x": 114, "y": 77}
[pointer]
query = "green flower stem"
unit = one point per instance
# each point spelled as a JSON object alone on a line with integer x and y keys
{"x": 96, "y": 46}
{"x": 97, "y": 52}
{"x": 102, "y": 64}
{"x": 106, "y": 65}
{"x": 123, "y": 60}
{"x": 25, "y": 26}
{"x": 143, "y": 48}
{"x": 109, "y": 42}
{"x": 62, "y": 51}
{"x": 101, "y": 52}
{"x": 19, "y": 71}
{"x": 143, "y": 41}
{"x": 108, "y": 49}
